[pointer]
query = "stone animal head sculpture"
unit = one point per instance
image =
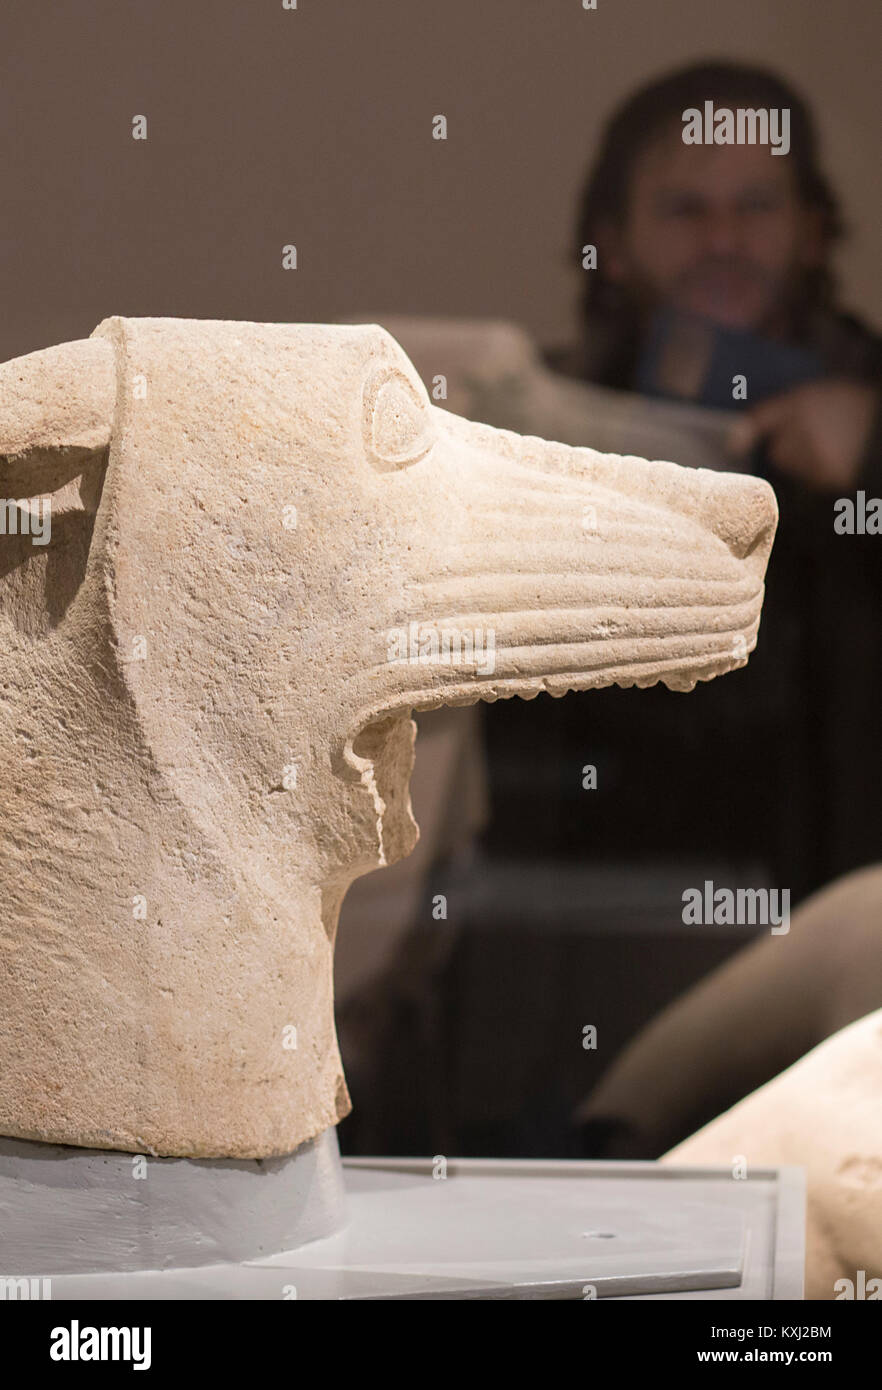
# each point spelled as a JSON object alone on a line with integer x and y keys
{"x": 268, "y": 547}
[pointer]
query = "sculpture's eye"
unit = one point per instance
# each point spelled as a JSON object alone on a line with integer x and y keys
{"x": 398, "y": 427}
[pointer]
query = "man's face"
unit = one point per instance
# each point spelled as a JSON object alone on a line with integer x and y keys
{"x": 716, "y": 230}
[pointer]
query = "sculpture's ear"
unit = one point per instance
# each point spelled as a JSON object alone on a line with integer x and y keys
{"x": 56, "y": 418}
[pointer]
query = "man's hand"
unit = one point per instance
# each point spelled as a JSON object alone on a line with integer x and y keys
{"x": 816, "y": 433}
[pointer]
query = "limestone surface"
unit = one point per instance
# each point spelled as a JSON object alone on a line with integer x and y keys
{"x": 268, "y": 547}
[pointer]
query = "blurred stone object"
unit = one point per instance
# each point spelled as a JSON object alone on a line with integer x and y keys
{"x": 759, "y": 1013}
{"x": 745, "y": 1022}
{"x": 822, "y": 1114}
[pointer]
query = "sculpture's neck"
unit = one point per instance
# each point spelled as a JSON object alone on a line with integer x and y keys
{"x": 191, "y": 1000}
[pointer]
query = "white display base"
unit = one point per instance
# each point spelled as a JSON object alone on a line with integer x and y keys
{"x": 65, "y": 1210}
{"x": 521, "y": 1230}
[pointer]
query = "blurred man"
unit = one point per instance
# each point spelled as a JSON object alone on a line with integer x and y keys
{"x": 713, "y": 283}
{"x": 741, "y": 236}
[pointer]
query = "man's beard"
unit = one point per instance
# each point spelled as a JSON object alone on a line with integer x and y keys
{"x": 716, "y": 285}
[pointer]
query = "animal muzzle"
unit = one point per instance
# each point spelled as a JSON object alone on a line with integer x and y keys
{"x": 545, "y": 567}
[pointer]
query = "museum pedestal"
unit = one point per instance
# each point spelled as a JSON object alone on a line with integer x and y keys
{"x": 428, "y": 1229}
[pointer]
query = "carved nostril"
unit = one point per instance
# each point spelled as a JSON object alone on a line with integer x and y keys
{"x": 744, "y": 513}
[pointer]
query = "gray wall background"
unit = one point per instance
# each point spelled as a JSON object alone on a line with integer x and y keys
{"x": 268, "y": 126}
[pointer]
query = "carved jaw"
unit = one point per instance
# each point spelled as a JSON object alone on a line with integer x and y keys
{"x": 535, "y": 567}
